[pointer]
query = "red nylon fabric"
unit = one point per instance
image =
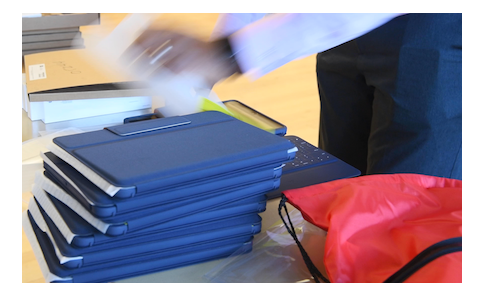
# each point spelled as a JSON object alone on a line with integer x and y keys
{"x": 378, "y": 223}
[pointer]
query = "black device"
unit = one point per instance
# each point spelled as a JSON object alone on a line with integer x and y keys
{"x": 311, "y": 165}
{"x": 249, "y": 115}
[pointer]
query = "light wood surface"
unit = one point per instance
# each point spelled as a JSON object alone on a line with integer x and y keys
{"x": 288, "y": 94}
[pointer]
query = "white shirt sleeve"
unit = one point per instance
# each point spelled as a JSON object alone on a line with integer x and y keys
{"x": 263, "y": 43}
{"x": 229, "y": 23}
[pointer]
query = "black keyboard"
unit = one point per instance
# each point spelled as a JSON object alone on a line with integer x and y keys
{"x": 307, "y": 156}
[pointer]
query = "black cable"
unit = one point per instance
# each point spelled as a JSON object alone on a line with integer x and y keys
{"x": 307, "y": 260}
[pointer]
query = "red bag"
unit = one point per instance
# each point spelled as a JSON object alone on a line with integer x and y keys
{"x": 378, "y": 224}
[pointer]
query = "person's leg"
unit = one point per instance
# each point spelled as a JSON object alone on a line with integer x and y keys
{"x": 415, "y": 64}
{"x": 346, "y": 100}
{"x": 412, "y": 68}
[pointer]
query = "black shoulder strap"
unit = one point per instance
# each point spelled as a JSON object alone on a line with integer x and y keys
{"x": 431, "y": 253}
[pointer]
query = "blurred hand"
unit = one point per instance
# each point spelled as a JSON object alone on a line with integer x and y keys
{"x": 155, "y": 50}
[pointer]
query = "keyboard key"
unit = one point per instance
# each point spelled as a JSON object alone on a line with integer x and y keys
{"x": 307, "y": 155}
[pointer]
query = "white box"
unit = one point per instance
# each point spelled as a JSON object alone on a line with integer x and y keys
{"x": 58, "y": 111}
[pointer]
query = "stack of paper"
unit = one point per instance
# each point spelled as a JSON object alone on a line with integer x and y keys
{"x": 149, "y": 196}
{"x": 54, "y": 31}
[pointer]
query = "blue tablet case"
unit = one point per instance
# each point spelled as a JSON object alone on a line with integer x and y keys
{"x": 143, "y": 218}
{"x": 143, "y": 156}
{"x": 164, "y": 240}
{"x": 85, "y": 235}
{"x": 131, "y": 266}
{"x": 102, "y": 205}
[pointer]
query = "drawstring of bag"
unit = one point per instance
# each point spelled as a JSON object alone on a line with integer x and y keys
{"x": 310, "y": 265}
{"x": 428, "y": 255}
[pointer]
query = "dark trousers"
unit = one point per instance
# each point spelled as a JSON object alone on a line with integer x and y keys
{"x": 391, "y": 100}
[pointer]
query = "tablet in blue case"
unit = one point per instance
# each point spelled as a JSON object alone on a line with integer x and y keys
{"x": 45, "y": 189}
{"x": 135, "y": 158}
{"x": 129, "y": 267}
{"x": 78, "y": 232}
{"x": 164, "y": 240}
{"x": 101, "y": 205}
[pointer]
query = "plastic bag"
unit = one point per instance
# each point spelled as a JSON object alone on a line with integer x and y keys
{"x": 275, "y": 257}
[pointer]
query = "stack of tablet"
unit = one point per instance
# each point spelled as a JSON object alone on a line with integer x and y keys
{"x": 153, "y": 195}
{"x": 54, "y": 31}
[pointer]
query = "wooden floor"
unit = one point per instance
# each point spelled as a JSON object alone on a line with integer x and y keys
{"x": 288, "y": 94}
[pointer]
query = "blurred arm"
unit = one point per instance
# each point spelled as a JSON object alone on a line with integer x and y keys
{"x": 229, "y": 23}
{"x": 262, "y": 44}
